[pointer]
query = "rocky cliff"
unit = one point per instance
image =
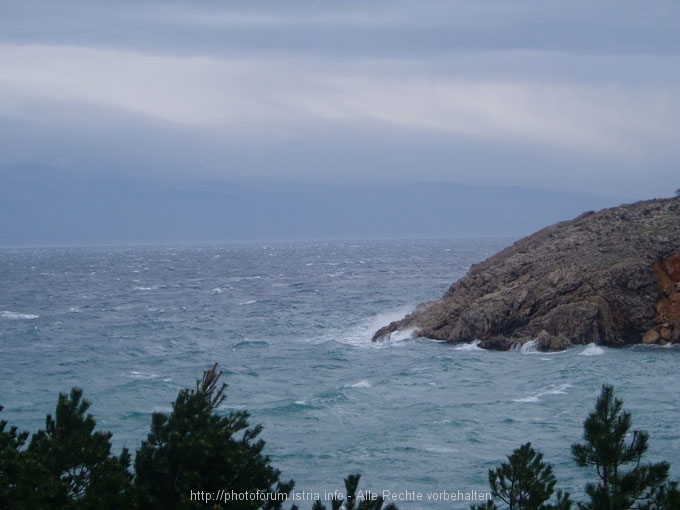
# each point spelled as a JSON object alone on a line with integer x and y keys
{"x": 609, "y": 277}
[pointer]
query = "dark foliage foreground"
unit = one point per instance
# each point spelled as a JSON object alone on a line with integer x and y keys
{"x": 195, "y": 457}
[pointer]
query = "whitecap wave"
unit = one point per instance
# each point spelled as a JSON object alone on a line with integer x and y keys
{"x": 249, "y": 302}
{"x": 592, "y": 350}
{"x": 381, "y": 319}
{"x": 142, "y": 375}
{"x": 361, "y": 334}
{"x": 472, "y": 346}
{"x": 655, "y": 346}
{"x": 530, "y": 347}
{"x": 442, "y": 450}
{"x": 400, "y": 335}
{"x": 17, "y": 316}
{"x": 560, "y": 389}
{"x": 361, "y": 384}
{"x": 526, "y": 399}
{"x": 242, "y": 278}
{"x": 145, "y": 288}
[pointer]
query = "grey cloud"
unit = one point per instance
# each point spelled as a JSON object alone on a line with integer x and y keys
{"x": 385, "y": 28}
{"x": 564, "y": 94}
{"x": 292, "y": 96}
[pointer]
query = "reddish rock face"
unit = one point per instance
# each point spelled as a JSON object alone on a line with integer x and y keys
{"x": 667, "y": 329}
{"x": 672, "y": 267}
{"x": 651, "y": 337}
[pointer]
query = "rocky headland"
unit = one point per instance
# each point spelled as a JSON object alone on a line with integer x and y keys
{"x": 610, "y": 277}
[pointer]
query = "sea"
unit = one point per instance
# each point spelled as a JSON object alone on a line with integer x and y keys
{"x": 290, "y": 324}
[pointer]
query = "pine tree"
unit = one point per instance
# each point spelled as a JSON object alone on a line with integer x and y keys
{"x": 605, "y": 432}
{"x": 11, "y": 443}
{"x": 68, "y": 465}
{"x": 525, "y": 482}
{"x": 370, "y": 501}
{"x": 351, "y": 502}
{"x": 195, "y": 449}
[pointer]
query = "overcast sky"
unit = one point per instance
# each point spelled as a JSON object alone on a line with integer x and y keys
{"x": 568, "y": 95}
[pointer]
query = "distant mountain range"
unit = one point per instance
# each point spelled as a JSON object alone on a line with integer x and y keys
{"x": 46, "y": 207}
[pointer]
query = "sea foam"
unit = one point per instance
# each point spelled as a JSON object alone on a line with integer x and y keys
{"x": 556, "y": 390}
{"x": 361, "y": 384}
{"x": 16, "y": 316}
{"x": 530, "y": 347}
{"x": 592, "y": 350}
{"x": 472, "y": 346}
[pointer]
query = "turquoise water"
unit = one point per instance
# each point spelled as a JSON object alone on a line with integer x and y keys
{"x": 291, "y": 326}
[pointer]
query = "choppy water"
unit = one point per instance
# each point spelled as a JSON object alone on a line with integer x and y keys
{"x": 291, "y": 325}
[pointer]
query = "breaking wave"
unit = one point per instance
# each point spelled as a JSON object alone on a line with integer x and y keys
{"x": 530, "y": 347}
{"x": 472, "y": 346}
{"x": 16, "y": 316}
{"x": 361, "y": 384}
{"x": 557, "y": 390}
{"x": 592, "y": 350}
